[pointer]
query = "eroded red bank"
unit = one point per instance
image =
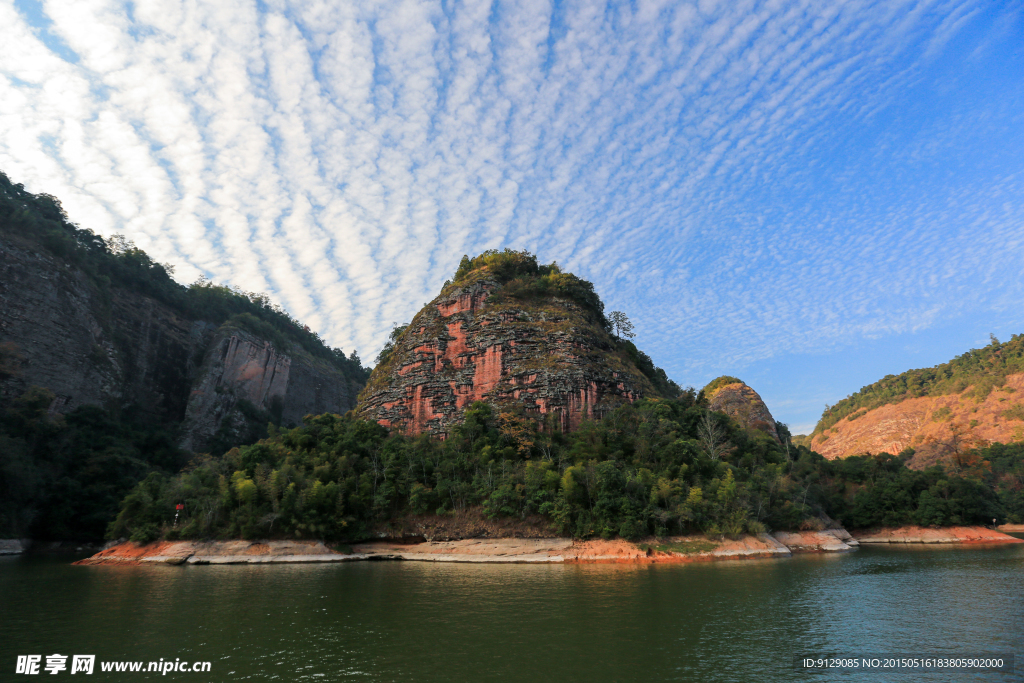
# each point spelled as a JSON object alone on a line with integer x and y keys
{"x": 551, "y": 359}
{"x": 676, "y": 549}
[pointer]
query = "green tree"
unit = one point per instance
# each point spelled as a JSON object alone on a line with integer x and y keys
{"x": 621, "y": 326}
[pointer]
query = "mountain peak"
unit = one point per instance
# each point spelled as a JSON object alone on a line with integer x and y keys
{"x": 515, "y": 334}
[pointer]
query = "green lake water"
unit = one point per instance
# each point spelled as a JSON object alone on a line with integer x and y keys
{"x": 413, "y": 621}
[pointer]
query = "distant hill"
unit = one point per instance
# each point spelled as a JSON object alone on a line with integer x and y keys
{"x": 972, "y": 400}
{"x": 739, "y": 401}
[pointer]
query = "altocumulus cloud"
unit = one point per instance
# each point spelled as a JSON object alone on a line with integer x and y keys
{"x": 746, "y": 179}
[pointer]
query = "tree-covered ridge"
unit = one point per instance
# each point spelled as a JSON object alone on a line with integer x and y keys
{"x": 666, "y": 387}
{"x": 642, "y": 470}
{"x": 41, "y": 219}
{"x": 719, "y": 382}
{"x": 981, "y": 370}
{"x": 521, "y": 277}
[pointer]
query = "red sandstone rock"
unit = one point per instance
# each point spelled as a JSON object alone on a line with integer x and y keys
{"x": 212, "y": 552}
{"x": 743, "y": 404}
{"x": 239, "y": 366}
{"x": 924, "y": 424}
{"x": 548, "y": 356}
{"x": 558, "y": 550}
{"x": 826, "y": 541}
{"x": 950, "y": 534}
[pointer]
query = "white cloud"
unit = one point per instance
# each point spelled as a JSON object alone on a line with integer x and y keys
{"x": 701, "y": 162}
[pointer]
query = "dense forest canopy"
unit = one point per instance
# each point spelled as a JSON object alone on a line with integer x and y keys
{"x": 522, "y": 278}
{"x": 641, "y": 470}
{"x": 718, "y": 383}
{"x": 64, "y": 476}
{"x": 981, "y": 370}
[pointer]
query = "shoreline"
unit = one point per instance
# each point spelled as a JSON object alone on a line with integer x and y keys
{"x": 669, "y": 550}
{"x": 930, "y": 536}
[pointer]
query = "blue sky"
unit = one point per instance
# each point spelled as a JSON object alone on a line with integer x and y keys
{"x": 807, "y": 195}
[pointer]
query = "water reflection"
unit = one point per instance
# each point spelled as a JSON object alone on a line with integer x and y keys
{"x": 729, "y": 621}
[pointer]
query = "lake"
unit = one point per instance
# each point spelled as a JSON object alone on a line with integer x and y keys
{"x": 411, "y": 621}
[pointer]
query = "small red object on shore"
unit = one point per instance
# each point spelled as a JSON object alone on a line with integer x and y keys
{"x": 180, "y": 507}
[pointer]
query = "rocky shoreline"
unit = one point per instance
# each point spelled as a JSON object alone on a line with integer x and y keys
{"x": 674, "y": 549}
{"x": 564, "y": 550}
{"x": 472, "y": 550}
{"x": 12, "y": 546}
{"x": 928, "y": 535}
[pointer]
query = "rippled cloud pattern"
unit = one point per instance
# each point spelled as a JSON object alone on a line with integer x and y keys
{"x": 745, "y": 179}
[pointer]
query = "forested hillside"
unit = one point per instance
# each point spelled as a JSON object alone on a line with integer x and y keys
{"x": 980, "y": 369}
{"x": 657, "y": 466}
{"x": 63, "y": 473}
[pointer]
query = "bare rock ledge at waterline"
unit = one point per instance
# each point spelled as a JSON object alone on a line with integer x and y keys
{"x": 533, "y": 550}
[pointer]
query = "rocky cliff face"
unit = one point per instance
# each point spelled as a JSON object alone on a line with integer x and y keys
{"x": 743, "y": 404}
{"x": 548, "y": 355}
{"x": 119, "y": 348}
{"x": 237, "y": 367}
{"x": 88, "y": 348}
{"x": 244, "y": 381}
{"x": 931, "y": 425}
